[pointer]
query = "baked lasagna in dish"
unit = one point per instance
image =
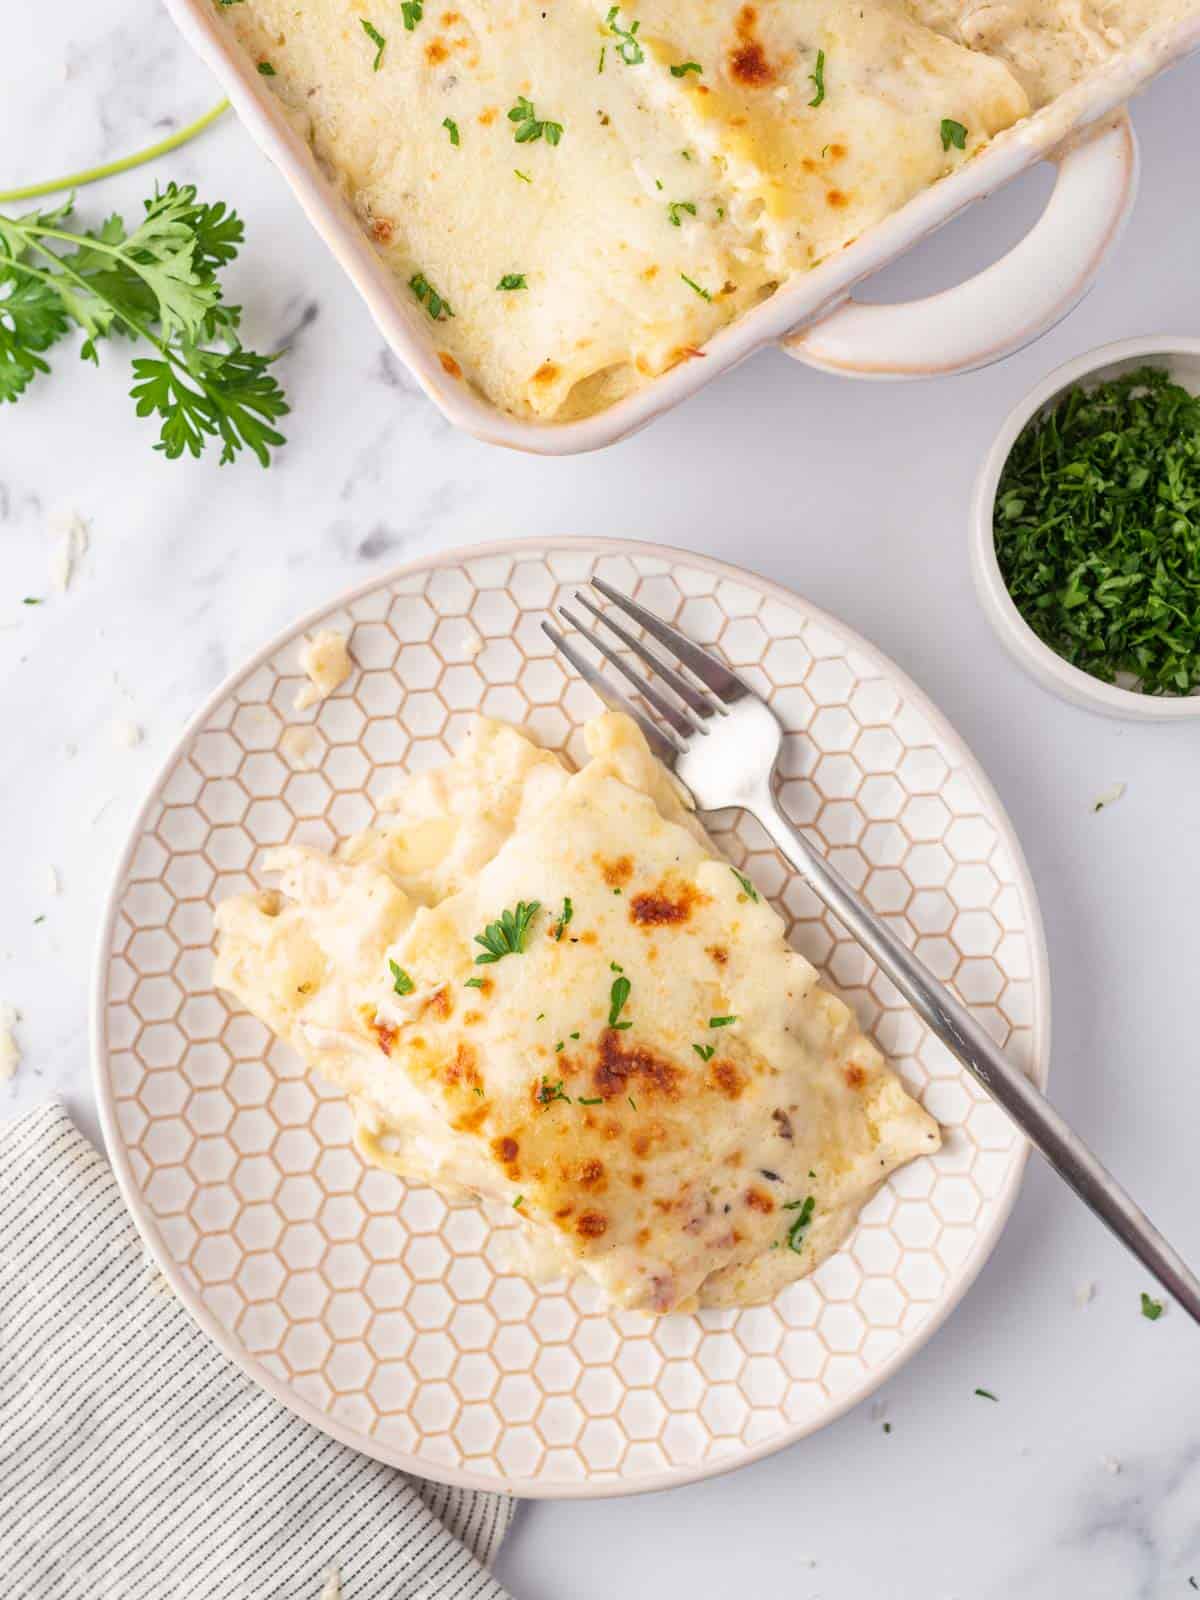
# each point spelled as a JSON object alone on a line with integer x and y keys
{"x": 579, "y": 194}
{"x": 547, "y": 990}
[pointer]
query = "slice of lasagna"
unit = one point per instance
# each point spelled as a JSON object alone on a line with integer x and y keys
{"x": 547, "y": 990}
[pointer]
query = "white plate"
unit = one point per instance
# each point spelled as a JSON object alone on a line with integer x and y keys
{"x": 384, "y": 1315}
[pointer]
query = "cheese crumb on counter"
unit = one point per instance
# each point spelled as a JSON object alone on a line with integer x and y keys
{"x": 71, "y": 534}
{"x": 10, "y": 1055}
{"x": 326, "y": 663}
{"x": 333, "y": 1585}
{"x": 1085, "y": 1293}
{"x": 126, "y": 735}
{"x": 53, "y": 882}
{"x": 1109, "y": 797}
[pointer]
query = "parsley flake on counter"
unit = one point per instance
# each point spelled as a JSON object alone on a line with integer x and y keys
{"x": 516, "y": 280}
{"x": 451, "y": 128}
{"x": 986, "y": 1394}
{"x": 1109, "y": 797}
{"x": 412, "y": 12}
{"x": 433, "y": 302}
{"x": 817, "y": 79}
{"x": 1097, "y": 530}
{"x": 31, "y": 600}
{"x": 629, "y": 50}
{"x": 795, "y": 1234}
{"x": 705, "y": 1051}
{"x": 401, "y": 982}
{"x": 747, "y": 887}
{"x": 953, "y": 133}
{"x": 684, "y": 67}
{"x": 887, "y": 1427}
{"x": 377, "y": 40}
{"x": 692, "y": 284}
{"x": 265, "y": 69}
{"x": 40, "y": 919}
{"x": 675, "y": 207}
{"x": 530, "y": 126}
{"x": 1151, "y": 1309}
{"x": 506, "y": 936}
{"x": 721, "y": 1022}
{"x": 618, "y": 998}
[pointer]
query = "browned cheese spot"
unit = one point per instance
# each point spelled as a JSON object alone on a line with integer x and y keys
{"x": 719, "y": 953}
{"x": 758, "y": 1201}
{"x": 665, "y": 904}
{"x": 837, "y": 199}
{"x": 436, "y": 52}
{"x": 487, "y": 117}
{"x": 546, "y": 373}
{"x": 616, "y": 873}
{"x": 748, "y": 62}
{"x": 449, "y": 366}
{"x": 855, "y": 1076}
{"x": 621, "y": 1069}
{"x": 591, "y": 1224}
{"x": 382, "y": 229}
{"x": 725, "y": 1078}
{"x": 386, "y": 1035}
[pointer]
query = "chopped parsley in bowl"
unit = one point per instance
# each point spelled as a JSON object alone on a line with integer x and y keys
{"x": 1086, "y": 547}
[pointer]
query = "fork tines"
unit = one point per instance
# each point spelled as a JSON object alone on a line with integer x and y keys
{"x": 686, "y": 713}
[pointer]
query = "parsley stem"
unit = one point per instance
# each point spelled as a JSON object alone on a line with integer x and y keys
{"x": 77, "y": 180}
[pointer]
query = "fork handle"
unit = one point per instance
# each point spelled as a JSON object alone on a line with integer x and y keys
{"x": 966, "y": 1039}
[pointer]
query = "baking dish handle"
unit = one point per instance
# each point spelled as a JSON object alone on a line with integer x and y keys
{"x": 1009, "y": 304}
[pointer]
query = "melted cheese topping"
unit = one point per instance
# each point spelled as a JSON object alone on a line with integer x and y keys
{"x": 579, "y": 201}
{"x": 647, "y": 1074}
{"x": 325, "y": 662}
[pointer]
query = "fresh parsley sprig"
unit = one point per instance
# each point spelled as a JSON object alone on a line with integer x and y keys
{"x": 507, "y": 935}
{"x": 156, "y": 282}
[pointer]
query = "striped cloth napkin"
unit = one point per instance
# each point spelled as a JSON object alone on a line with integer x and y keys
{"x": 137, "y": 1464}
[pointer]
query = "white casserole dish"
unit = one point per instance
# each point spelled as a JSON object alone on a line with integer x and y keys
{"x": 992, "y": 314}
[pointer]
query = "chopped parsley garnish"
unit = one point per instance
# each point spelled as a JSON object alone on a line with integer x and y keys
{"x": 705, "y": 1051}
{"x": 506, "y": 936}
{"x": 474, "y": 983}
{"x": 953, "y": 133}
{"x": 721, "y": 1022}
{"x": 618, "y": 997}
{"x": 603, "y": 53}
{"x": 632, "y": 1101}
{"x": 616, "y": 891}
{"x": 378, "y": 41}
{"x": 597, "y": 1100}
{"x": 575, "y": 1035}
{"x": 1097, "y": 530}
{"x": 817, "y": 79}
{"x": 747, "y": 886}
{"x": 795, "y": 1234}
{"x": 514, "y": 280}
{"x": 265, "y": 69}
{"x": 568, "y": 910}
{"x": 1151, "y": 1309}
{"x": 541, "y": 1017}
{"x": 401, "y": 982}
{"x": 615, "y": 966}
{"x": 986, "y": 1394}
{"x": 530, "y": 126}
{"x": 412, "y": 11}
{"x": 479, "y": 1092}
{"x": 524, "y": 176}
{"x": 692, "y": 284}
{"x": 549, "y": 1092}
{"x": 559, "y": 1046}
{"x": 684, "y": 67}
{"x": 517, "y": 1202}
{"x": 438, "y": 308}
{"x": 629, "y": 50}
{"x": 451, "y": 128}
{"x": 675, "y": 207}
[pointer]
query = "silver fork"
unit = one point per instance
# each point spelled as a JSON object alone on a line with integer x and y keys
{"x": 723, "y": 744}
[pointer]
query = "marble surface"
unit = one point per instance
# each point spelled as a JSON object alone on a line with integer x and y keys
{"x": 855, "y": 495}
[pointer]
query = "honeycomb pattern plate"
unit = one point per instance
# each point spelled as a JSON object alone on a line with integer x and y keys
{"x": 392, "y": 1319}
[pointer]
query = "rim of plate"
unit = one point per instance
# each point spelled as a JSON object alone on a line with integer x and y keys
{"x": 535, "y": 1489}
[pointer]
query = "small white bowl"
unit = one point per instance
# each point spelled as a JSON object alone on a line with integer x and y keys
{"x": 1181, "y": 357}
